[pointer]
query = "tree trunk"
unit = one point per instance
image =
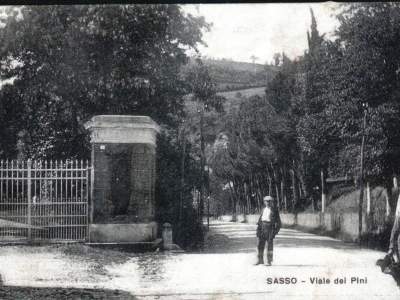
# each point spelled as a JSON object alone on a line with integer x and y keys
{"x": 270, "y": 188}
{"x": 276, "y": 180}
{"x": 295, "y": 191}
{"x": 251, "y": 193}
{"x": 259, "y": 194}
{"x": 254, "y": 199}
{"x": 246, "y": 195}
{"x": 323, "y": 191}
{"x": 202, "y": 165}
{"x": 182, "y": 178}
{"x": 300, "y": 190}
{"x": 236, "y": 189}
{"x": 361, "y": 179}
{"x": 283, "y": 195}
{"x": 283, "y": 188}
{"x": 300, "y": 176}
{"x": 234, "y": 203}
{"x": 277, "y": 195}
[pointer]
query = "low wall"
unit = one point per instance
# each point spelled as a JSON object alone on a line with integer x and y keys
{"x": 225, "y": 218}
{"x": 252, "y": 219}
{"x": 349, "y": 226}
{"x": 328, "y": 221}
{"x": 287, "y": 219}
{"x": 309, "y": 220}
{"x": 345, "y": 224}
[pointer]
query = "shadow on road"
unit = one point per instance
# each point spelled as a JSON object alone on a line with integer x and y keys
{"x": 35, "y": 293}
{"x": 311, "y": 241}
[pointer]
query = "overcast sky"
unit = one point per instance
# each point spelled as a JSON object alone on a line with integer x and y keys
{"x": 242, "y": 30}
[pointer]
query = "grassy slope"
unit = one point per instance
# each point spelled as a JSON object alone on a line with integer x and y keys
{"x": 238, "y": 66}
{"x": 231, "y": 75}
{"x": 233, "y": 98}
{"x": 232, "y": 95}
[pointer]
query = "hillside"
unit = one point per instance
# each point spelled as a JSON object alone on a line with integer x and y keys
{"x": 231, "y": 75}
{"x": 234, "y": 98}
{"x": 237, "y": 82}
{"x": 243, "y": 93}
{"x": 236, "y": 65}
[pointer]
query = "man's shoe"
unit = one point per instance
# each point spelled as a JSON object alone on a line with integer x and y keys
{"x": 259, "y": 262}
{"x": 269, "y": 263}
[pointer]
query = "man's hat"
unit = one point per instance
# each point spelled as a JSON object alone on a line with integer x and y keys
{"x": 268, "y": 198}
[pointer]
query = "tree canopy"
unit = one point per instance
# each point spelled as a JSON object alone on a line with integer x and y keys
{"x": 69, "y": 63}
{"x": 65, "y": 64}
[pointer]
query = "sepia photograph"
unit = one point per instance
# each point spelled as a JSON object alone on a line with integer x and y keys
{"x": 211, "y": 151}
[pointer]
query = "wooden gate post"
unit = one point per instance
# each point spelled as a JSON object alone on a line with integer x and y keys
{"x": 29, "y": 196}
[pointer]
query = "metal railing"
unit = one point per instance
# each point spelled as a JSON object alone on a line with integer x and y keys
{"x": 44, "y": 200}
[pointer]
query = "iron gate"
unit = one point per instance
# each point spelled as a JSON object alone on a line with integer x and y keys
{"x": 44, "y": 200}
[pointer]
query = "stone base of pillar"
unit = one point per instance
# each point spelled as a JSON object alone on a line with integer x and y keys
{"x": 123, "y": 233}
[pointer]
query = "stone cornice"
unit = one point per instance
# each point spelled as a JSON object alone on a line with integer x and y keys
{"x": 122, "y": 129}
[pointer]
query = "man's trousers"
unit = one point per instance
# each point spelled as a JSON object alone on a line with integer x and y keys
{"x": 266, "y": 235}
{"x": 395, "y": 238}
{"x": 270, "y": 249}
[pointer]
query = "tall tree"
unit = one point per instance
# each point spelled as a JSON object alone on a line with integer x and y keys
{"x": 368, "y": 36}
{"x": 315, "y": 136}
{"x": 202, "y": 89}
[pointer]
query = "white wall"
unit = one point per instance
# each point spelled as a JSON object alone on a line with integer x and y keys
{"x": 346, "y": 224}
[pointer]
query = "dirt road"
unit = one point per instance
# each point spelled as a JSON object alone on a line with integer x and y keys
{"x": 305, "y": 266}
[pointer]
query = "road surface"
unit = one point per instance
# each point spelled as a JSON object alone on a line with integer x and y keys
{"x": 225, "y": 270}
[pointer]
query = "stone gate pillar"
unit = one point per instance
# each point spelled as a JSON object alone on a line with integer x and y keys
{"x": 123, "y": 157}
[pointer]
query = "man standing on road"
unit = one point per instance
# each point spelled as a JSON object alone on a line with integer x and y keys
{"x": 395, "y": 235}
{"x": 390, "y": 264}
{"x": 268, "y": 227}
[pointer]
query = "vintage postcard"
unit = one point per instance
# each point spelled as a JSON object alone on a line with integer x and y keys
{"x": 199, "y": 150}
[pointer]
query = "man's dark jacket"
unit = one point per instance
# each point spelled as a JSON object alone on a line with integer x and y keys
{"x": 269, "y": 231}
